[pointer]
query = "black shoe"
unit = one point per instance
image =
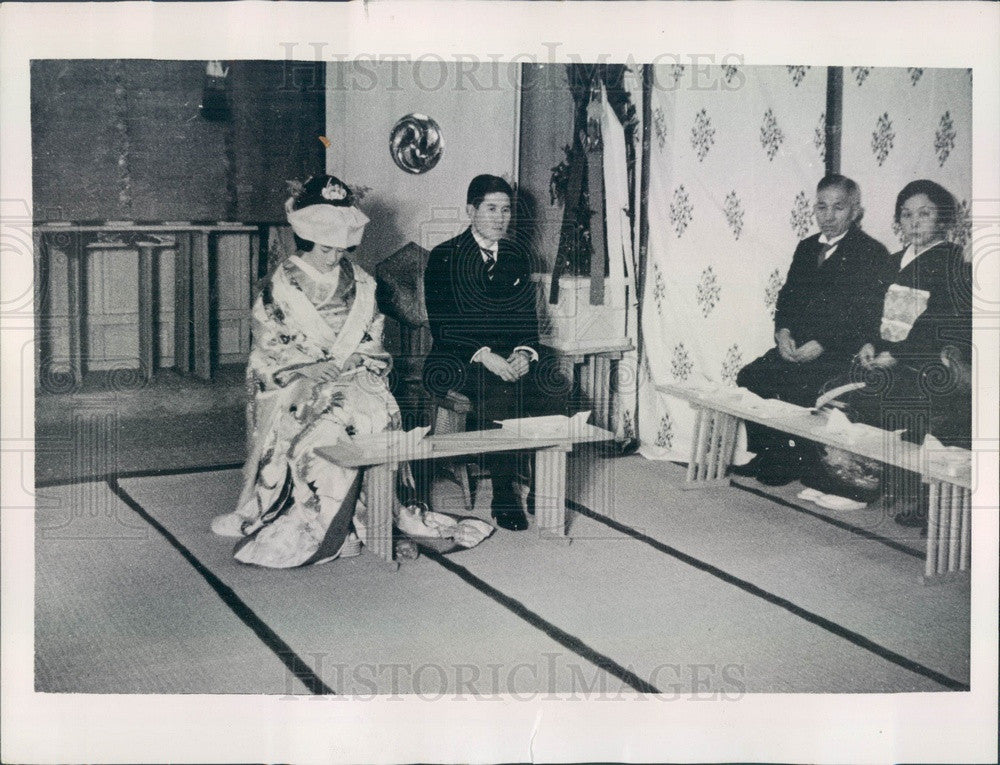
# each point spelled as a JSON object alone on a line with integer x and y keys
{"x": 512, "y": 520}
{"x": 507, "y": 510}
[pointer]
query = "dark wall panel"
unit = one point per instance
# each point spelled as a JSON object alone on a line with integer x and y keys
{"x": 126, "y": 140}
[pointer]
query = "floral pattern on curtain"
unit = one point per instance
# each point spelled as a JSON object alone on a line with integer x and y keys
{"x": 901, "y": 124}
{"x": 735, "y": 157}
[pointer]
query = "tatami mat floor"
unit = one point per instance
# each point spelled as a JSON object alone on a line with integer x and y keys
{"x": 724, "y": 591}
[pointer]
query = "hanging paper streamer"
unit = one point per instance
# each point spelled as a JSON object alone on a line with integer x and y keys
{"x": 215, "y": 92}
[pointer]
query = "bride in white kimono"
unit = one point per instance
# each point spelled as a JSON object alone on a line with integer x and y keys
{"x": 318, "y": 375}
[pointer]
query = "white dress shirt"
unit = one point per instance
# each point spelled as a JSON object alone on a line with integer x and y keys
{"x": 494, "y": 247}
{"x": 832, "y": 242}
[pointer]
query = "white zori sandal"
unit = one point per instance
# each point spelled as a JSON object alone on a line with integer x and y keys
{"x": 831, "y": 501}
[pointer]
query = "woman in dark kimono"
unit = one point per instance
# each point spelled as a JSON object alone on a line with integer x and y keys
{"x": 926, "y": 330}
{"x": 917, "y": 371}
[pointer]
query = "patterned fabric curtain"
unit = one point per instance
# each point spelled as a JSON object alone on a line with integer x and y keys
{"x": 903, "y": 124}
{"x": 735, "y": 158}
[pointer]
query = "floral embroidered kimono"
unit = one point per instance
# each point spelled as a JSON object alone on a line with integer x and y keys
{"x": 296, "y": 508}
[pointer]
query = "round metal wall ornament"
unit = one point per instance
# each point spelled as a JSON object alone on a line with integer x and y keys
{"x": 415, "y": 143}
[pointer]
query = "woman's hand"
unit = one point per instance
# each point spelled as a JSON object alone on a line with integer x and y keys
{"x": 866, "y": 355}
{"x": 498, "y": 366}
{"x": 786, "y": 345}
{"x": 354, "y": 360}
{"x": 884, "y": 360}
{"x": 323, "y": 372}
{"x": 808, "y": 352}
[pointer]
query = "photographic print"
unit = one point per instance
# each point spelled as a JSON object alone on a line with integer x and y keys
{"x": 369, "y": 385}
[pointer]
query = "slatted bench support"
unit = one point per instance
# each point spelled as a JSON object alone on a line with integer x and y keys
{"x": 380, "y": 499}
{"x": 949, "y": 532}
{"x": 711, "y": 449}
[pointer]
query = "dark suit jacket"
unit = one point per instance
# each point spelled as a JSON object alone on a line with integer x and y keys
{"x": 838, "y": 304}
{"x": 468, "y": 311}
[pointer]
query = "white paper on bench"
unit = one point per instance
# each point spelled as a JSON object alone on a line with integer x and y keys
{"x": 390, "y": 442}
{"x": 767, "y": 408}
{"x": 551, "y": 426}
{"x": 837, "y": 424}
{"x": 951, "y": 459}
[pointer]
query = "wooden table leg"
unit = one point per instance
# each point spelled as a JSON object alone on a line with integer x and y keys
{"x": 567, "y": 368}
{"x": 146, "y": 361}
{"x": 933, "y": 514}
{"x": 590, "y": 376}
{"x": 182, "y": 303}
{"x": 949, "y": 510}
{"x": 731, "y": 428}
{"x": 711, "y": 449}
{"x": 76, "y": 284}
{"x": 201, "y": 306}
{"x": 380, "y": 492}
{"x": 966, "y": 540}
{"x": 43, "y": 309}
{"x": 955, "y": 526}
{"x": 692, "y": 468}
{"x": 602, "y": 391}
{"x": 944, "y": 523}
{"x": 550, "y": 493}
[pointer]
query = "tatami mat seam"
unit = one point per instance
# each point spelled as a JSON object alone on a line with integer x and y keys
{"x": 815, "y": 619}
{"x": 155, "y": 473}
{"x": 565, "y": 639}
{"x": 515, "y": 607}
{"x": 260, "y": 628}
{"x": 843, "y": 525}
{"x": 538, "y": 622}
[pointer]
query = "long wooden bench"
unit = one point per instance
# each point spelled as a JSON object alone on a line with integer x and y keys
{"x": 947, "y": 474}
{"x": 380, "y": 457}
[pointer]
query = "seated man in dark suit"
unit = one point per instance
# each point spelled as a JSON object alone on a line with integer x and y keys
{"x": 481, "y": 306}
{"x": 830, "y": 302}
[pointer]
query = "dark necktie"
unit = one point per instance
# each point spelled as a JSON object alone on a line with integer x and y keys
{"x": 823, "y": 252}
{"x": 491, "y": 261}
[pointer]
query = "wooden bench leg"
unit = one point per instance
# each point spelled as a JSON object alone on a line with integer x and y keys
{"x": 550, "y": 493}
{"x": 201, "y": 306}
{"x": 602, "y": 392}
{"x": 146, "y": 319}
{"x": 711, "y": 449}
{"x": 449, "y": 421}
{"x": 949, "y": 515}
{"x": 182, "y": 303}
{"x": 76, "y": 285}
{"x": 380, "y": 493}
{"x": 965, "y": 546}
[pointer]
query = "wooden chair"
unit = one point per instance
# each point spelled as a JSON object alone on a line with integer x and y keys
{"x": 401, "y": 297}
